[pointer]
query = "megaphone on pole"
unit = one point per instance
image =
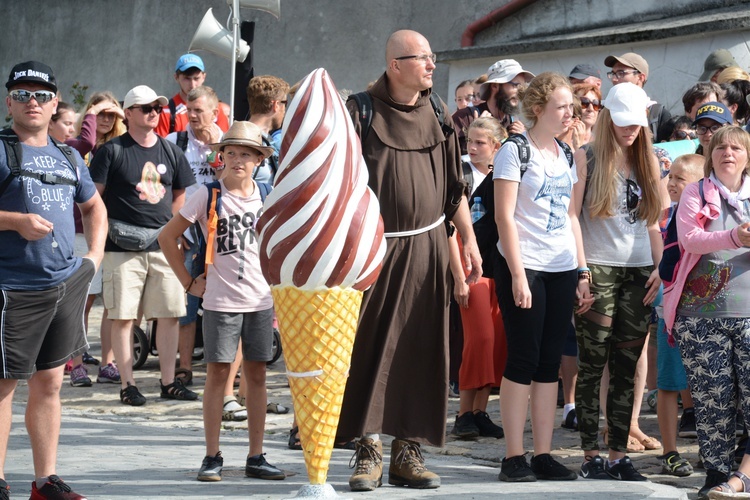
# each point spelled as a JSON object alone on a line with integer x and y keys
{"x": 213, "y": 37}
{"x": 270, "y": 6}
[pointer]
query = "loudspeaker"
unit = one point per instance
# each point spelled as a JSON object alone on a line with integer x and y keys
{"x": 270, "y": 6}
{"x": 213, "y": 37}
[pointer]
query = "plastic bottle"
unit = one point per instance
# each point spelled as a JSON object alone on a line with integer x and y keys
{"x": 477, "y": 210}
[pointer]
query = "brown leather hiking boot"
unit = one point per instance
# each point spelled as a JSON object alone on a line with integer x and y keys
{"x": 407, "y": 466}
{"x": 367, "y": 463}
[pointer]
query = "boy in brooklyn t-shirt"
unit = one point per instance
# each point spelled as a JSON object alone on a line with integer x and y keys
{"x": 237, "y": 300}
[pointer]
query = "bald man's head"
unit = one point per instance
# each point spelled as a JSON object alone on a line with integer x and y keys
{"x": 400, "y": 43}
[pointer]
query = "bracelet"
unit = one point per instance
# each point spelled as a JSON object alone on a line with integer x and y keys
{"x": 192, "y": 282}
{"x": 584, "y": 276}
{"x": 581, "y": 269}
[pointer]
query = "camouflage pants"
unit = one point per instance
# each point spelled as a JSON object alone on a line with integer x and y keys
{"x": 613, "y": 332}
{"x": 716, "y": 353}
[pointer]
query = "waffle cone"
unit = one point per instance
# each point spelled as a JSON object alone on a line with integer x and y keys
{"x": 317, "y": 334}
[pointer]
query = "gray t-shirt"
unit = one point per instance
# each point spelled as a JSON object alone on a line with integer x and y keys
{"x": 621, "y": 240}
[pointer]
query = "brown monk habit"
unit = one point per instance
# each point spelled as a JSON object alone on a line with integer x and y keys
{"x": 398, "y": 384}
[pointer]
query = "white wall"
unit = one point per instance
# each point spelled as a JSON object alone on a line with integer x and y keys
{"x": 674, "y": 64}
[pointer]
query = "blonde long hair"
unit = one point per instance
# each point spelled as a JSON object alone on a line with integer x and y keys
{"x": 602, "y": 189}
{"x": 118, "y": 128}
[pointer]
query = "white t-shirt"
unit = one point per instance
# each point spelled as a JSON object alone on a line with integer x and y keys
{"x": 476, "y": 178}
{"x": 234, "y": 283}
{"x": 541, "y": 215}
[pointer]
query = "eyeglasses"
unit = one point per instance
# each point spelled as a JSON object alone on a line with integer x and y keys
{"x": 422, "y": 58}
{"x": 701, "y": 130}
{"x": 595, "y": 103}
{"x": 620, "y": 74}
{"x": 41, "y": 96}
{"x": 681, "y": 135}
{"x": 148, "y": 108}
{"x": 467, "y": 98}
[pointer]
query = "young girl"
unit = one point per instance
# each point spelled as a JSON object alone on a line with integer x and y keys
{"x": 484, "y": 353}
{"x": 619, "y": 205}
{"x": 536, "y": 274}
{"x": 237, "y": 300}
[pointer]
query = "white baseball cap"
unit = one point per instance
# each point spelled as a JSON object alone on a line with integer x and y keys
{"x": 502, "y": 72}
{"x": 628, "y": 105}
{"x": 142, "y": 94}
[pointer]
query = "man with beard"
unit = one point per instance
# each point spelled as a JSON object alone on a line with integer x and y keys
{"x": 500, "y": 96}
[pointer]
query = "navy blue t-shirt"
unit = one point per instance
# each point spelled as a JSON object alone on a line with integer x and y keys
{"x": 39, "y": 265}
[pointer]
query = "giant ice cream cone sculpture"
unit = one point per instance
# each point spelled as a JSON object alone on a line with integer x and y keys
{"x": 321, "y": 245}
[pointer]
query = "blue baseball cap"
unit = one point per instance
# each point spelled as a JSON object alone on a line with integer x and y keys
{"x": 715, "y": 111}
{"x": 188, "y": 61}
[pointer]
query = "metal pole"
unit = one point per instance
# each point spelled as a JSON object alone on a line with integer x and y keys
{"x": 236, "y": 48}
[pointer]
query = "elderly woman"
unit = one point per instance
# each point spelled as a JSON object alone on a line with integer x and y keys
{"x": 709, "y": 302}
{"x": 591, "y": 103}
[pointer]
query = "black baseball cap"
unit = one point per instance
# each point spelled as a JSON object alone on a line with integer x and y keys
{"x": 32, "y": 72}
{"x": 583, "y": 71}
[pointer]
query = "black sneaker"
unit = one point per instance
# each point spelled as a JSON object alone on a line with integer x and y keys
{"x": 545, "y": 467}
{"x": 88, "y": 359}
{"x": 487, "y": 428}
{"x": 4, "y": 490}
{"x": 624, "y": 471}
{"x": 593, "y": 468}
{"x": 516, "y": 470}
{"x": 258, "y": 467}
{"x": 132, "y": 396}
{"x": 713, "y": 478}
{"x": 571, "y": 420}
{"x": 177, "y": 390}
{"x": 687, "y": 424}
{"x": 674, "y": 465}
{"x": 465, "y": 427}
{"x": 211, "y": 468}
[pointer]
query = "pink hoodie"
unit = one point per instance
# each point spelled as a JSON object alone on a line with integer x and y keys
{"x": 695, "y": 241}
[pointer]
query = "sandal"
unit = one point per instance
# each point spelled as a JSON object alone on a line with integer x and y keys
{"x": 176, "y": 390}
{"x": 650, "y": 443}
{"x": 132, "y": 396}
{"x": 241, "y": 400}
{"x": 276, "y": 408}
{"x": 233, "y": 411}
{"x": 726, "y": 490}
{"x": 294, "y": 442}
{"x": 346, "y": 445}
{"x": 185, "y": 376}
{"x": 635, "y": 446}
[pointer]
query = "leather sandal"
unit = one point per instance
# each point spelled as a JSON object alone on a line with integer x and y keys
{"x": 276, "y": 408}
{"x": 185, "y": 376}
{"x": 294, "y": 442}
{"x": 726, "y": 490}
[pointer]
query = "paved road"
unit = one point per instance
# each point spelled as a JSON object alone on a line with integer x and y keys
{"x": 108, "y": 450}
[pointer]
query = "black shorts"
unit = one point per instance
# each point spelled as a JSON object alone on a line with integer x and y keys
{"x": 43, "y": 329}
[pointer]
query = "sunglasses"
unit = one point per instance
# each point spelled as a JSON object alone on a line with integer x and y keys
{"x": 632, "y": 199}
{"x": 596, "y": 104}
{"x": 148, "y": 108}
{"x": 681, "y": 135}
{"x": 41, "y": 96}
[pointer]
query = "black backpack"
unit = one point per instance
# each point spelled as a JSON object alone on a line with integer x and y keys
{"x": 485, "y": 229}
{"x": 364, "y": 104}
{"x": 672, "y": 253}
{"x": 14, "y": 155}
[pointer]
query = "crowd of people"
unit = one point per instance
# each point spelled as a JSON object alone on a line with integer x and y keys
{"x": 544, "y": 208}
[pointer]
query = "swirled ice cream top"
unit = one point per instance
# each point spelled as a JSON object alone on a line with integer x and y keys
{"x": 321, "y": 225}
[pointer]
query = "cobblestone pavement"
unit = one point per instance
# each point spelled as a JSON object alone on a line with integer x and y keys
{"x": 109, "y": 450}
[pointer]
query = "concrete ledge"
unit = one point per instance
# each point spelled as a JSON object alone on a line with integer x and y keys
{"x": 724, "y": 20}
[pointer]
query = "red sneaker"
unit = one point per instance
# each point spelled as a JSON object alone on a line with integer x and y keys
{"x": 54, "y": 489}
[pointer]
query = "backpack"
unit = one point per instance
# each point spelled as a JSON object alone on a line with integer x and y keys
{"x": 485, "y": 229}
{"x": 182, "y": 140}
{"x": 205, "y": 255}
{"x": 273, "y": 160}
{"x": 364, "y": 104}
{"x": 14, "y": 155}
{"x": 672, "y": 253}
{"x": 172, "y": 112}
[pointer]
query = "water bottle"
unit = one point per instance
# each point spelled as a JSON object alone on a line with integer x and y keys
{"x": 477, "y": 210}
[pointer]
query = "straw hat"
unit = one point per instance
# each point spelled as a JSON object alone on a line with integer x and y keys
{"x": 244, "y": 134}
